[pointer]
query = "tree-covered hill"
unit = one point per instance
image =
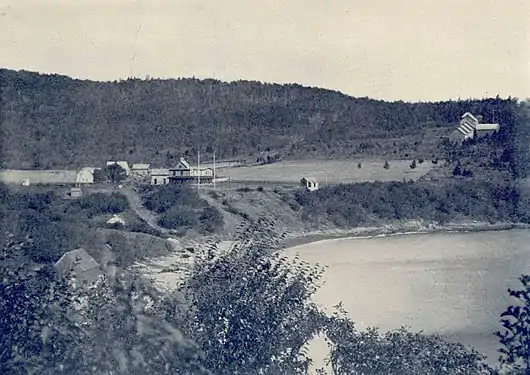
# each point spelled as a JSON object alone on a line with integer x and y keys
{"x": 52, "y": 120}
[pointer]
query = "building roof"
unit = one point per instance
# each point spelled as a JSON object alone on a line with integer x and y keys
{"x": 140, "y": 166}
{"x": 184, "y": 164}
{"x": 487, "y": 126}
{"x": 310, "y": 179}
{"x": 116, "y": 219}
{"x": 79, "y": 262}
{"x": 466, "y": 129}
{"x": 468, "y": 114}
{"x": 159, "y": 172}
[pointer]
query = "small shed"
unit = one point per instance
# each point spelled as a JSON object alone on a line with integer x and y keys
{"x": 309, "y": 183}
{"x": 80, "y": 264}
{"x": 75, "y": 192}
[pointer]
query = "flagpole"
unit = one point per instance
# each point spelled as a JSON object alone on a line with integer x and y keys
{"x": 198, "y": 170}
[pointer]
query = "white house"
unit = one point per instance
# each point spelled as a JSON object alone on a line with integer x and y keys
{"x": 159, "y": 176}
{"x": 140, "y": 169}
{"x": 309, "y": 183}
{"x": 122, "y": 164}
{"x": 470, "y": 127}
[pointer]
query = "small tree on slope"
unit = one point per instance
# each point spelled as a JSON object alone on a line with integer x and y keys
{"x": 515, "y": 338}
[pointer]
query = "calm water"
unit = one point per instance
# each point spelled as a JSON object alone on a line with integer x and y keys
{"x": 454, "y": 284}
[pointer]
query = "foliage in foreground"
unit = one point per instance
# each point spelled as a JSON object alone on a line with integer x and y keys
{"x": 396, "y": 352}
{"x": 515, "y": 337}
{"x": 251, "y": 308}
{"x": 247, "y": 310}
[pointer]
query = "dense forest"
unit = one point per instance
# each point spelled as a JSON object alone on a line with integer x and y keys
{"x": 53, "y": 121}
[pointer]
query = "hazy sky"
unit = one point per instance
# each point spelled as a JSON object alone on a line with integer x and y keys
{"x": 388, "y": 49}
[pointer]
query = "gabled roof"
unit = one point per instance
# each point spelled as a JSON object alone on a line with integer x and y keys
{"x": 140, "y": 166}
{"x": 184, "y": 164}
{"x": 77, "y": 261}
{"x": 159, "y": 172}
{"x": 310, "y": 179}
{"x": 468, "y": 114}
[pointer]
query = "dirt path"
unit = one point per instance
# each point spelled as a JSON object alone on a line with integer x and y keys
{"x": 136, "y": 204}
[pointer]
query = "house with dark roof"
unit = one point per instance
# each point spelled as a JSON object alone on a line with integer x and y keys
{"x": 183, "y": 172}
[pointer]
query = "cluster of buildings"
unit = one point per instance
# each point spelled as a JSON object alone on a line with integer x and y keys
{"x": 183, "y": 172}
{"x": 471, "y": 127}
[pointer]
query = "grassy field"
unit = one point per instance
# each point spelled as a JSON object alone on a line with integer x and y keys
{"x": 332, "y": 171}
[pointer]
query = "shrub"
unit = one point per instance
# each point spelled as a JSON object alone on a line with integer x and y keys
{"x": 245, "y": 189}
{"x": 413, "y": 164}
{"x": 515, "y": 338}
{"x": 211, "y": 220}
{"x": 387, "y": 165}
{"x": 260, "y": 188}
{"x": 101, "y": 203}
{"x": 178, "y": 217}
{"x": 396, "y": 352}
{"x": 162, "y": 198}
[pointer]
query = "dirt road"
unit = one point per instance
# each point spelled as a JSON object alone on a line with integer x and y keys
{"x": 136, "y": 204}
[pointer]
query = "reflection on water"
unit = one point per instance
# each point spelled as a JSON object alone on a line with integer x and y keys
{"x": 454, "y": 284}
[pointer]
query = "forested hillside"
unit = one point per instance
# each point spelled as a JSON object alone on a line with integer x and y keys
{"x": 50, "y": 120}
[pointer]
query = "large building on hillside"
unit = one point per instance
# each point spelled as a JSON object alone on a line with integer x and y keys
{"x": 470, "y": 128}
{"x": 183, "y": 172}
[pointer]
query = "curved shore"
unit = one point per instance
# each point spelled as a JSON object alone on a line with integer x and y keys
{"x": 397, "y": 229}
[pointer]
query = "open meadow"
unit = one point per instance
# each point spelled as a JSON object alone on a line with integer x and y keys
{"x": 332, "y": 171}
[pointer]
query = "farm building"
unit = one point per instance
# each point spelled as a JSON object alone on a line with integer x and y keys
{"x": 122, "y": 164}
{"x": 75, "y": 192}
{"x": 159, "y": 176}
{"x": 80, "y": 264}
{"x": 141, "y": 170}
{"x": 470, "y": 127}
{"x": 183, "y": 173}
{"x": 309, "y": 183}
{"x": 483, "y": 130}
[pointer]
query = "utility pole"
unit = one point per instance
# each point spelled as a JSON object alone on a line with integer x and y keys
{"x": 198, "y": 170}
{"x": 214, "y": 169}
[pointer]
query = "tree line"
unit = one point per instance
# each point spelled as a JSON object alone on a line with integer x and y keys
{"x": 53, "y": 121}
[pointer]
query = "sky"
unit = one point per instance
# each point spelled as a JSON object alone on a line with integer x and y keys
{"x": 411, "y": 50}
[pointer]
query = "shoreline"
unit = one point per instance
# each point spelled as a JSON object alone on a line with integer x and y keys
{"x": 398, "y": 229}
